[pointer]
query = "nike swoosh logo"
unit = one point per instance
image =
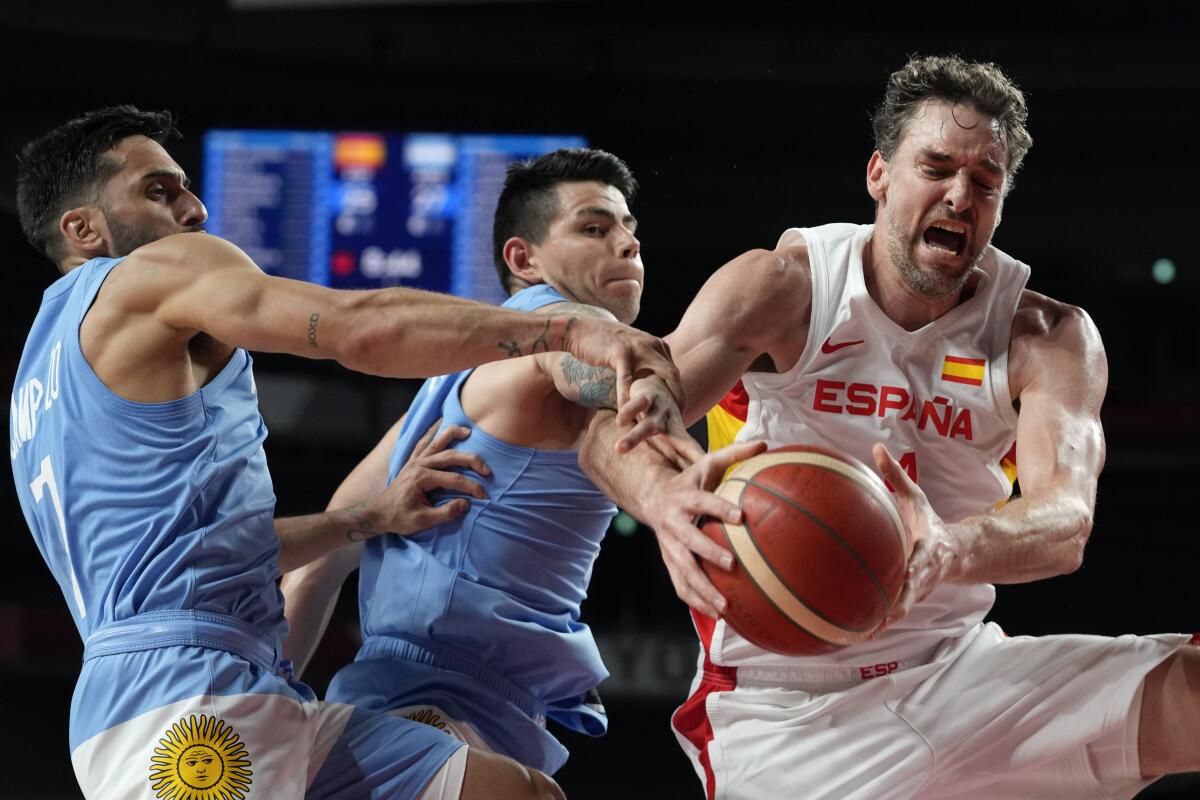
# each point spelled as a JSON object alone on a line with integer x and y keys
{"x": 833, "y": 348}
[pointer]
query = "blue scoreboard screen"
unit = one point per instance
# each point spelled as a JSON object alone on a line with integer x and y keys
{"x": 366, "y": 210}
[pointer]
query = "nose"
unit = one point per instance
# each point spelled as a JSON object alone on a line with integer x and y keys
{"x": 958, "y": 195}
{"x": 191, "y": 211}
{"x": 629, "y": 245}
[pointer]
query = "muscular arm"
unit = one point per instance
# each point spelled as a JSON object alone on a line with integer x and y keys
{"x": 190, "y": 283}
{"x": 589, "y": 386}
{"x": 756, "y": 305}
{"x": 1059, "y": 373}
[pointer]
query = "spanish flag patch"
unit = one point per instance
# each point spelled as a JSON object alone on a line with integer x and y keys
{"x": 964, "y": 370}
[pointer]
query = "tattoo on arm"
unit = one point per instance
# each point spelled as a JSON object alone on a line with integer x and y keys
{"x": 541, "y": 340}
{"x": 312, "y": 329}
{"x": 597, "y": 385}
{"x": 362, "y": 528}
{"x": 539, "y": 345}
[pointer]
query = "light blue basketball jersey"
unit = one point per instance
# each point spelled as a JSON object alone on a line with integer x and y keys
{"x": 480, "y": 616}
{"x": 157, "y": 520}
{"x": 140, "y": 507}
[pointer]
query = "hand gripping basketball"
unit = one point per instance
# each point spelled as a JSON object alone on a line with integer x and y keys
{"x": 685, "y": 497}
{"x": 935, "y": 553}
{"x": 821, "y": 551}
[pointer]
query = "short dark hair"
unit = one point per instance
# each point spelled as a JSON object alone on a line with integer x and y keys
{"x": 980, "y": 85}
{"x": 60, "y": 168}
{"x": 528, "y": 203}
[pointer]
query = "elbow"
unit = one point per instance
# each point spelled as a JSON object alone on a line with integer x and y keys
{"x": 1080, "y": 530}
{"x": 359, "y": 342}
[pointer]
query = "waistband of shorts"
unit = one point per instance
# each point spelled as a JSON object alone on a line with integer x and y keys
{"x": 442, "y": 657}
{"x": 830, "y": 677}
{"x": 185, "y": 628}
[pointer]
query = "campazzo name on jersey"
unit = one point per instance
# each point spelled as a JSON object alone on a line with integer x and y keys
{"x": 30, "y": 401}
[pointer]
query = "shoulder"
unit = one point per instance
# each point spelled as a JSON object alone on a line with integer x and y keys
{"x": 154, "y": 271}
{"x": 767, "y": 280}
{"x": 1040, "y": 319}
{"x": 1050, "y": 337}
{"x": 197, "y": 252}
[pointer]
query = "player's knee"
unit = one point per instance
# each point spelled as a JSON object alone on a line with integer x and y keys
{"x": 544, "y": 787}
{"x": 489, "y": 776}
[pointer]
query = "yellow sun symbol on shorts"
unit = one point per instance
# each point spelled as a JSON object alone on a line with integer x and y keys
{"x": 200, "y": 758}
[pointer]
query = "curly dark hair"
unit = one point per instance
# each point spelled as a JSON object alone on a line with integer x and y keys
{"x": 981, "y": 85}
{"x": 528, "y": 203}
{"x": 66, "y": 166}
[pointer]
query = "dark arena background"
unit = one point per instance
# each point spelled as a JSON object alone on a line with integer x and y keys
{"x": 739, "y": 121}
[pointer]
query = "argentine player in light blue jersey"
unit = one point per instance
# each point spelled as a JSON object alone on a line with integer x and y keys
{"x": 474, "y": 625}
{"x": 136, "y": 447}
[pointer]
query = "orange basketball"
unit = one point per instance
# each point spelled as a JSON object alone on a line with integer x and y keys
{"x": 820, "y": 555}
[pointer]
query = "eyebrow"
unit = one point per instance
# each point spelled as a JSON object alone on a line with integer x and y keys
{"x": 938, "y": 157}
{"x": 628, "y": 220}
{"x": 168, "y": 173}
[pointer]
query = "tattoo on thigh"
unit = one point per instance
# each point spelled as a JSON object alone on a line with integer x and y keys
{"x": 312, "y": 329}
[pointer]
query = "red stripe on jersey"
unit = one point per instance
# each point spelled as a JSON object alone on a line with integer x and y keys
{"x": 736, "y": 401}
{"x": 691, "y": 719}
{"x": 959, "y": 379}
{"x": 974, "y": 362}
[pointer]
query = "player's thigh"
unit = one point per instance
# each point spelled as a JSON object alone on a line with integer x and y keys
{"x": 219, "y": 744}
{"x": 845, "y": 745}
{"x": 369, "y": 754}
{"x": 1000, "y": 707}
{"x": 1169, "y": 733}
{"x": 490, "y": 776}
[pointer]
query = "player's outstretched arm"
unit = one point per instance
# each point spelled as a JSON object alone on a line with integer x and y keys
{"x": 652, "y": 407}
{"x": 1058, "y": 370}
{"x": 756, "y": 305}
{"x": 668, "y": 497}
{"x": 319, "y": 551}
{"x": 197, "y": 282}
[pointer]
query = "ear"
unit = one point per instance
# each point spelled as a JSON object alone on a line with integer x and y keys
{"x": 519, "y": 256}
{"x": 877, "y": 177}
{"x": 85, "y": 230}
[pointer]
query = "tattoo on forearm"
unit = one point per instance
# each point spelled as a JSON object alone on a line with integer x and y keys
{"x": 539, "y": 345}
{"x": 362, "y": 528}
{"x": 597, "y": 385}
{"x": 566, "y": 330}
{"x": 312, "y": 329}
{"x": 541, "y": 340}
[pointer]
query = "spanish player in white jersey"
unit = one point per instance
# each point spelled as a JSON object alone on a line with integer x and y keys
{"x": 913, "y": 344}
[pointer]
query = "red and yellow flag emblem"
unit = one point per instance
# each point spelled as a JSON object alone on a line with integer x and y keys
{"x": 964, "y": 370}
{"x": 727, "y": 417}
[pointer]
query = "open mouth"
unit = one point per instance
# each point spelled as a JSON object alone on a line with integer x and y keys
{"x": 946, "y": 235}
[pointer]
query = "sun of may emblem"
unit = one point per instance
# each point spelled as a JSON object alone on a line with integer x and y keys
{"x": 200, "y": 758}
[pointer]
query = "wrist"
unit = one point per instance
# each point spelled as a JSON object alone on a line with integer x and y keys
{"x": 362, "y": 521}
{"x": 953, "y": 554}
{"x": 564, "y": 329}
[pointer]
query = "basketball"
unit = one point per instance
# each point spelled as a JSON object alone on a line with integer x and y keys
{"x": 820, "y": 555}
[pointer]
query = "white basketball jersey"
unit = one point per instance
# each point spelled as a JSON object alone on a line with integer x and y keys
{"x": 937, "y": 397}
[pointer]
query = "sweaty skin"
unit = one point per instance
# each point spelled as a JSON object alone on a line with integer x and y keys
{"x": 949, "y": 170}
